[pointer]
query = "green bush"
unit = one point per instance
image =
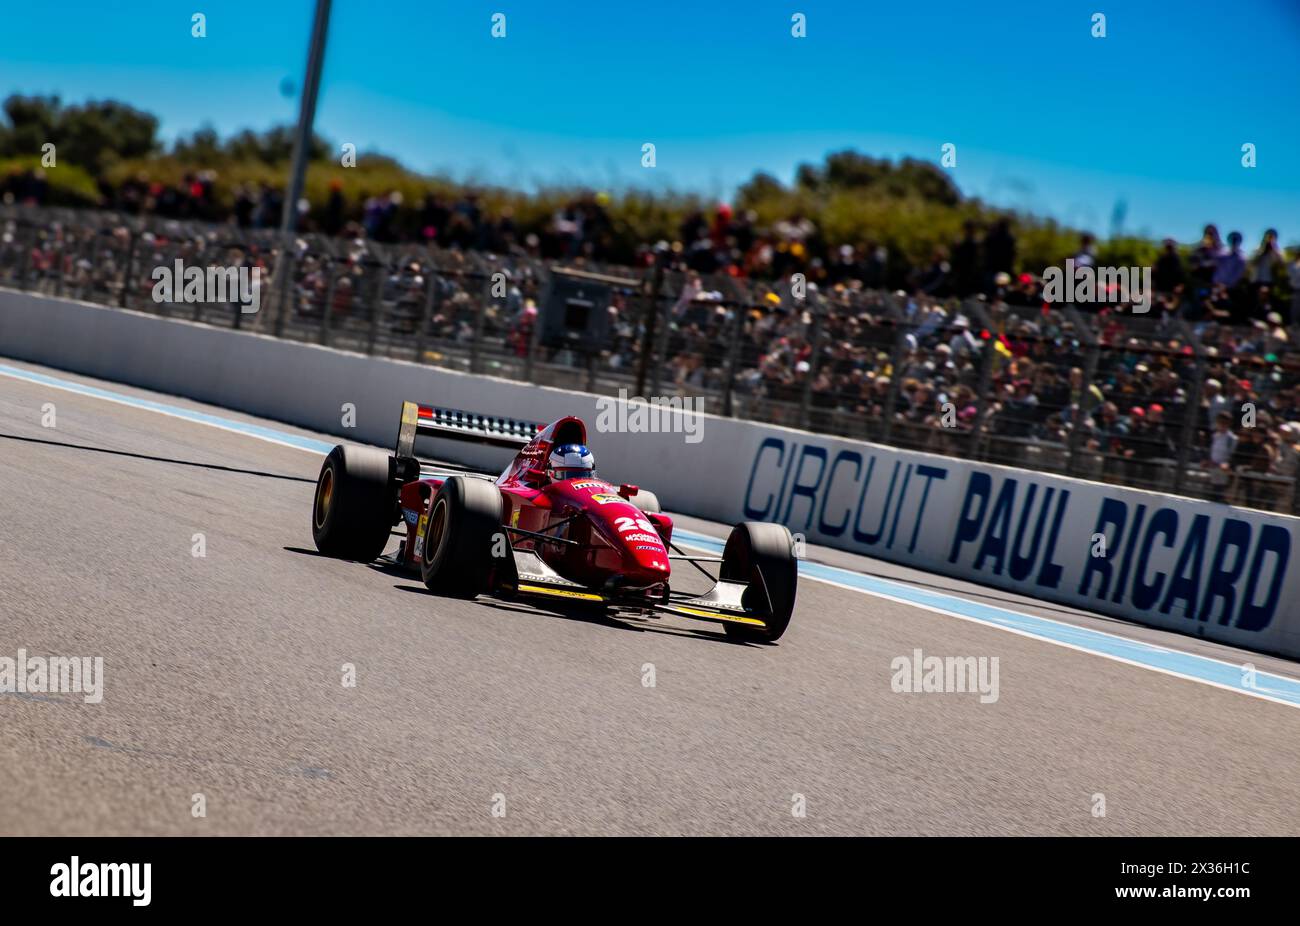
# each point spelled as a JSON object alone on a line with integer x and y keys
{"x": 69, "y": 185}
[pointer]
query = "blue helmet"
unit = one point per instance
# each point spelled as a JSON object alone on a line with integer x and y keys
{"x": 570, "y": 461}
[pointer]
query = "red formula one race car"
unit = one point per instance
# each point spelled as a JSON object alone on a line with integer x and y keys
{"x": 546, "y": 528}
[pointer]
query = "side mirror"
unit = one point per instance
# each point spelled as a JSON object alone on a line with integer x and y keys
{"x": 535, "y": 473}
{"x": 627, "y": 490}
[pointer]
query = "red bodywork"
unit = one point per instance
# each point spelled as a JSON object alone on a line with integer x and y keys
{"x": 619, "y": 546}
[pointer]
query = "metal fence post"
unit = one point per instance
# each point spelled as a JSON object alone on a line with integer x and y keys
{"x": 891, "y": 397}
{"x": 199, "y": 262}
{"x": 535, "y": 331}
{"x": 376, "y": 305}
{"x": 659, "y": 351}
{"x": 58, "y": 269}
{"x": 286, "y": 263}
{"x": 87, "y": 253}
{"x": 327, "y": 308}
{"x": 132, "y": 236}
{"x": 431, "y": 301}
{"x": 1091, "y": 359}
{"x": 651, "y": 294}
{"x": 26, "y": 260}
{"x": 816, "y": 308}
{"x": 982, "y": 404}
{"x": 1189, "y": 426}
{"x": 733, "y": 360}
{"x": 237, "y": 316}
{"x": 480, "y": 312}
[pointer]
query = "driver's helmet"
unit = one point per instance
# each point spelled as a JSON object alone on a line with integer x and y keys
{"x": 570, "y": 461}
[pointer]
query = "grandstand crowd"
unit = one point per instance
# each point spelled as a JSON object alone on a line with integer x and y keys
{"x": 1208, "y": 378}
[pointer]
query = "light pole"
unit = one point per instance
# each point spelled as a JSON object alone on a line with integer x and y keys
{"x": 301, "y": 151}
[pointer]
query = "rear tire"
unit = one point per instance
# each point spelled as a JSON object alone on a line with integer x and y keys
{"x": 464, "y": 521}
{"x": 355, "y": 500}
{"x": 762, "y": 555}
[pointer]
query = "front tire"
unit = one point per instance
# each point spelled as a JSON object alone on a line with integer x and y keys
{"x": 464, "y": 522}
{"x": 762, "y": 555}
{"x": 355, "y": 500}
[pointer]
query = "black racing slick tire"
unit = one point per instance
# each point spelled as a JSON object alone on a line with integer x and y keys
{"x": 461, "y": 533}
{"x": 355, "y": 500}
{"x": 646, "y": 501}
{"x": 762, "y": 555}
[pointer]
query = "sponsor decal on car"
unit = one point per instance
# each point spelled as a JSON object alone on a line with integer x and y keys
{"x": 605, "y": 498}
{"x": 419, "y": 536}
{"x": 410, "y": 515}
{"x": 559, "y": 592}
{"x": 633, "y": 524}
{"x": 591, "y": 485}
{"x": 644, "y": 538}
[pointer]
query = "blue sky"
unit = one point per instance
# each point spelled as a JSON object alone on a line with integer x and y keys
{"x": 1045, "y": 117}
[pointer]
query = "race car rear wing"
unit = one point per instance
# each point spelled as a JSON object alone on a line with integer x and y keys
{"x": 453, "y": 424}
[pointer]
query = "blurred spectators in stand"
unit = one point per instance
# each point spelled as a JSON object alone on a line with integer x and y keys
{"x": 1020, "y": 373}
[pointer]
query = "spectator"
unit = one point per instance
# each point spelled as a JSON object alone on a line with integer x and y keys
{"x": 934, "y": 280}
{"x": 1223, "y": 444}
{"x": 1267, "y": 263}
{"x": 966, "y": 261}
{"x": 1287, "y": 461}
{"x": 1293, "y": 274}
{"x": 1086, "y": 256}
{"x": 1167, "y": 276}
{"x": 1145, "y": 446}
{"x": 1230, "y": 267}
{"x": 1251, "y": 458}
{"x": 999, "y": 252}
{"x": 1107, "y": 433}
{"x": 334, "y": 209}
{"x": 244, "y": 206}
{"x": 1214, "y": 402}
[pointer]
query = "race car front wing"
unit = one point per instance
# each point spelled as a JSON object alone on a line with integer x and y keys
{"x": 722, "y": 604}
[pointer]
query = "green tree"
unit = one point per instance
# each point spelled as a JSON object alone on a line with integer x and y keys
{"x": 31, "y": 121}
{"x": 274, "y": 146}
{"x": 91, "y": 136}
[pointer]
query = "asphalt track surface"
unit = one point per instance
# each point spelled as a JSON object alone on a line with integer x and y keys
{"x": 223, "y": 677}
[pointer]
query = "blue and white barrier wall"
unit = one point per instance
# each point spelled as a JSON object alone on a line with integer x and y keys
{"x": 1197, "y": 567}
